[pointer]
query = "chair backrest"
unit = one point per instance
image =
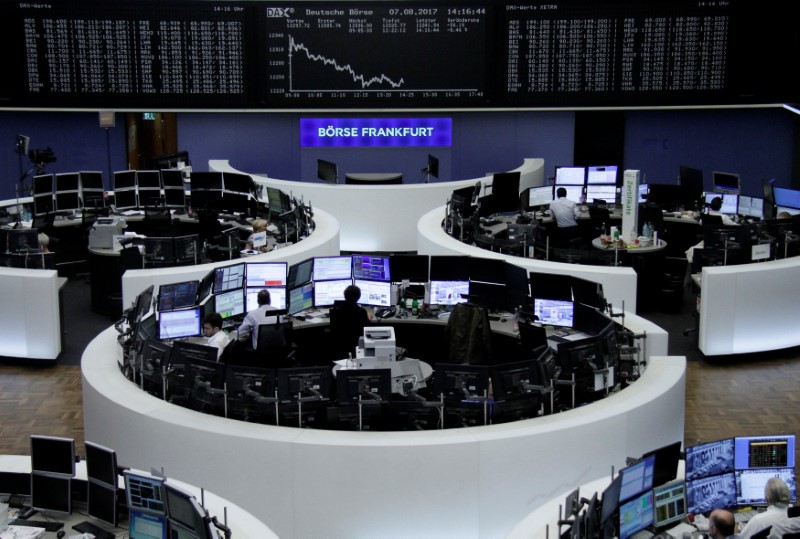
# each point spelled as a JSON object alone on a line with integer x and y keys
{"x": 131, "y": 258}
{"x": 707, "y": 219}
{"x": 274, "y": 336}
{"x": 531, "y": 335}
{"x": 599, "y": 215}
{"x": 347, "y": 325}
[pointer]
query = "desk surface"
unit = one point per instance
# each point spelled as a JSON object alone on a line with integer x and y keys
{"x": 598, "y": 243}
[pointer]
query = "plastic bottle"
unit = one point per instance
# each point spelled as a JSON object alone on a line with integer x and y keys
{"x": 414, "y": 307}
{"x": 516, "y": 316}
{"x": 646, "y": 230}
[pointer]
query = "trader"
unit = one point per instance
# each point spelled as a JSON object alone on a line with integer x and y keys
{"x": 348, "y": 320}
{"x": 776, "y": 492}
{"x": 721, "y": 524}
{"x": 566, "y": 213}
{"x": 212, "y": 329}
{"x": 258, "y": 316}
{"x": 714, "y": 209}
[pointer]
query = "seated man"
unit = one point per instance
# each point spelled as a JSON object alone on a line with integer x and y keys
{"x": 565, "y": 212}
{"x": 348, "y": 320}
{"x": 256, "y": 317}
{"x": 714, "y": 209}
{"x": 212, "y": 329}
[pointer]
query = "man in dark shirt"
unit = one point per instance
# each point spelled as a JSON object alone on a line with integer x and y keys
{"x": 348, "y": 320}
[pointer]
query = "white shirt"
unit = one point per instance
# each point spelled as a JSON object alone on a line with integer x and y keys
{"x": 785, "y": 525}
{"x": 725, "y": 219}
{"x": 219, "y": 340}
{"x": 565, "y": 212}
{"x": 773, "y": 514}
{"x": 253, "y": 319}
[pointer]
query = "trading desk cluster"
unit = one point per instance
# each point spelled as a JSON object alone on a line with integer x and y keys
{"x": 650, "y": 496}
{"x": 20, "y": 248}
{"x": 148, "y": 505}
{"x": 561, "y": 351}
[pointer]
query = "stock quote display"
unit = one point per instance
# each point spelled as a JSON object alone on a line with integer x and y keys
{"x": 376, "y": 54}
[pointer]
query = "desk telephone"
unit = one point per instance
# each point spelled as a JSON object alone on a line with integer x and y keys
{"x": 385, "y": 312}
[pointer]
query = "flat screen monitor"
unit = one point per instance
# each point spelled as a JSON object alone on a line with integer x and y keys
{"x": 725, "y": 181}
{"x": 608, "y": 193}
{"x": 43, "y": 204}
{"x": 184, "y": 352}
{"x": 509, "y": 379}
{"x": 572, "y": 503}
{"x": 42, "y": 184}
{"x": 147, "y": 526}
{"x": 786, "y": 209}
{"x": 644, "y": 189}
{"x": 789, "y": 198}
{"x": 277, "y": 297}
{"x": 326, "y": 292}
{"x": 230, "y": 303}
{"x": 551, "y": 286}
{"x": 50, "y": 454}
{"x": 449, "y": 268}
{"x": 183, "y": 509}
{"x": 489, "y": 295}
{"x": 179, "y": 324}
{"x": 203, "y": 199}
{"x": 691, "y": 179}
{"x": 101, "y": 464}
{"x": 228, "y": 278}
{"x": 145, "y": 493}
{"x": 21, "y": 240}
{"x": 589, "y": 293}
{"x": 237, "y": 182}
{"x": 93, "y": 199}
{"x": 375, "y": 293}
{"x": 276, "y": 201}
{"x": 637, "y": 478}
{"x": 601, "y": 174}
{"x": 574, "y": 192}
{"x": 174, "y": 198}
{"x": 371, "y": 268}
{"x": 304, "y": 381}
{"x": 101, "y": 502}
{"x": 207, "y": 181}
{"x": 751, "y": 206}
{"x": 51, "y": 493}
{"x": 176, "y": 160}
{"x": 712, "y": 458}
{"x": 411, "y": 268}
{"x": 67, "y": 182}
{"x": 764, "y": 451}
{"x": 432, "y": 168}
{"x": 636, "y": 515}
{"x": 265, "y": 274}
{"x": 709, "y": 493}
{"x": 148, "y": 179}
{"x": 461, "y": 382}
{"x": 667, "y": 196}
{"x": 68, "y": 201}
{"x": 448, "y": 292}
{"x": 125, "y": 200}
{"x": 730, "y": 202}
{"x": 300, "y": 273}
{"x": 172, "y": 178}
{"x": 670, "y": 503}
{"x": 327, "y": 268}
{"x": 124, "y": 179}
{"x": 301, "y": 298}
{"x": 540, "y": 196}
{"x": 363, "y": 384}
{"x": 667, "y": 459}
{"x": 327, "y": 171}
{"x": 486, "y": 270}
{"x": 610, "y": 500}
{"x": 505, "y": 192}
{"x": 553, "y": 312}
{"x": 750, "y": 484}
{"x": 144, "y": 302}
{"x": 570, "y": 175}
{"x": 177, "y": 295}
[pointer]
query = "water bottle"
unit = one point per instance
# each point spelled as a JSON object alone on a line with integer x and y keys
{"x": 646, "y": 230}
{"x": 414, "y": 307}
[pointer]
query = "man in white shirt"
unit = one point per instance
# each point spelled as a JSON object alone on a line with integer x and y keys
{"x": 715, "y": 207}
{"x": 212, "y": 329}
{"x": 256, "y": 317}
{"x": 563, "y": 210}
{"x": 776, "y": 492}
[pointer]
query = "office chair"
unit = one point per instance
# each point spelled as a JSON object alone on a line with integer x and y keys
{"x": 706, "y": 219}
{"x": 531, "y": 336}
{"x": 468, "y": 335}
{"x": 130, "y": 258}
{"x": 275, "y": 343}
{"x": 673, "y": 282}
{"x": 346, "y": 327}
{"x": 599, "y": 220}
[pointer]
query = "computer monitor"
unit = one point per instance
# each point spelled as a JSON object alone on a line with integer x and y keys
{"x": 42, "y": 184}
{"x": 709, "y": 493}
{"x": 68, "y": 201}
{"x": 230, "y": 303}
{"x": 326, "y": 292}
{"x": 486, "y": 270}
{"x": 730, "y": 202}
{"x": 572, "y": 503}
{"x": 636, "y": 515}
{"x": 588, "y": 293}
{"x": 448, "y": 292}
{"x": 789, "y": 198}
{"x": 550, "y": 286}
{"x": 124, "y": 180}
{"x": 691, "y": 179}
{"x": 126, "y": 200}
{"x": 375, "y": 293}
{"x": 539, "y": 196}
{"x": 363, "y": 384}
{"x": 177, "y": 160}
{"x": 461, "y": 382}
{"x": 301, "y": 298}
{"x": 607, "y": 193}
{"x": 53, "y": 455}
{"x": 145, "y": 493}
{"x": 371, "y": 268}
{"x": 207, "y": 181}
{"x": 172, "y": 178}
{"x": 667, "y": 459}
{"x": 300, "y": 273}
{"x": 265, "y": 274}
{"x": 277, "y": 297}
{"x": 174, "y": 198}
{"x": 411, "y": 268}
{"x": 601, "y": 175}
{"x": 610, "y": 500}
{"x": 505, "y": 192}
{"x": 43, "y": 204}
{"x": 711, "y": 458}
{"x": 570, "y": 176}
{"x": 490, "y": 295}
{"x": 51, "y": 493}
{"x": 148, "y": 179}
{"x": 669, "y": 503}
{"x": 776, "y": 451}
{"x": 432, "y": 168}
{"x": 238, "y": 183}
{"x": 644, "y": 189}
{"x": 328, "y": 268}
{"x": 101, "y": 470}
{"x": 67, "y": 182}
{"x": 750, "y": 484}
{"x": 22, "y": 240}
{"x": 327, "y": 171}
{"x": 637, "y": 478}
{"x": 180, "y": 324}
{"x": 449, "y": 268}
{"x": 186, "y": 517}
{"x": 751, "y": 206}
{"x": 553, "y": 312}
{"x": 726, "y": 181}
{"x": 184, "y": 353}
{"x": 574, "y": 192}
{"x": 509, "y": 379}
{"x": 228, "y": 278}
{"x": 177, "y": 295}
{"x": 144, "y": 525}
{"x": 304, "y": 382}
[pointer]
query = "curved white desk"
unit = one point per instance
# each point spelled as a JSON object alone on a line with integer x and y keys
{"x": 750, "y": 307}
{"x": 619, "y": 284}
{"x": 381, "y": 217}
{"x": 464, "y": 483}
{"x": 323, "y": 241}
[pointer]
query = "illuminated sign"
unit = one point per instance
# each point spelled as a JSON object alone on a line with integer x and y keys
{"x": 375, "y": 132}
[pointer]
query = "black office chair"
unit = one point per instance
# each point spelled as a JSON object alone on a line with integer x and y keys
{"x": 346, "y": 326}
{"x": 706, "y": 219}
{"x": 599, "y": 219}
{"x": 531, "y": 336}
{"x": 673, "y": 284}
{"x": 468, "y": 335}
{"x": 275, "y": 342}
{"x": 130, "y": 258}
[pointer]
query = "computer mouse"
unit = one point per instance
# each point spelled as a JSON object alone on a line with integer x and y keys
{"x": 60, "y": 534}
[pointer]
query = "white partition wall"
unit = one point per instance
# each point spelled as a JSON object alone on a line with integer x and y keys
{"x": 380, "y": 217}
{"x": 30, "y": 326}
{"x": 477, "y": 482}
{"x": 619, "y": 284}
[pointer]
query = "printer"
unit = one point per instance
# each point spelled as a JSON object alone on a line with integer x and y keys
{"x": 101, "y": 234}
{"x": 376, "y": 348}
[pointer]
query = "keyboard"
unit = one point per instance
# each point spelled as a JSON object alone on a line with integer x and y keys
{"x": 97, "y": 531}
{"x": 743, "y": 517}
{"x": 48, "y": 525}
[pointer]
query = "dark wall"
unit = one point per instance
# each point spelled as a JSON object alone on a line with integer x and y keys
{"x": 756, "y": 143}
